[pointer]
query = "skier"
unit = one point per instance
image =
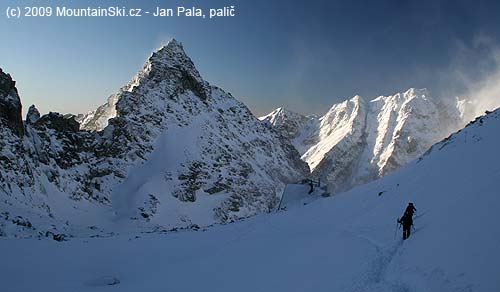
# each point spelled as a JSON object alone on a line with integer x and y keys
{"x": 407, "y": 220}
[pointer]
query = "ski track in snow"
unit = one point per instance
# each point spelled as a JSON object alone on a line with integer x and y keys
{"x": 374, "y": 279}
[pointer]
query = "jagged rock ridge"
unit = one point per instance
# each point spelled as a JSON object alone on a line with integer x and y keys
{"x": 358, "y": 141}
{"x": 167, "y": 150}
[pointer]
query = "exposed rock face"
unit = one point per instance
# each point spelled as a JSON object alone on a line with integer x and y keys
{"x": 358, "y": 141}
{"x": 58, "y": 122}
{"x": 169, "y": 66}
{"x": 33, "y": 115}
{"x": 10, "y": 104}
{"x": 167, "y": 150}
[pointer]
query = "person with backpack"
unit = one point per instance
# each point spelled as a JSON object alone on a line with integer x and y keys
{"x": 410, "y": 209}
{"x": 407, "y": 220}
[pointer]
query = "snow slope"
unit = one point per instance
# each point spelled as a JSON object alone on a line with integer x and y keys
{"x": 342, "y": 243}
{"x": 297, "y": 195}
{"x": 358, "y": 141}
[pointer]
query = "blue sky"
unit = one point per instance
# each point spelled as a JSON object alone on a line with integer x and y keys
{"x": 304, "y": 55}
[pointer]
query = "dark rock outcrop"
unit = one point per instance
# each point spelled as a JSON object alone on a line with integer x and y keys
{"x": 58, "y": 122}
{"x": 33, "y": 115}
{"x": 10, "y": 104}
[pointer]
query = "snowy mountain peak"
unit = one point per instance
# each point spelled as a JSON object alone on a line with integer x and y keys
{"x": 169, "y": 66}
{"x": 279, "y": 111}
{"x": 357, "y": 98}
{"x": 172, "y": 46}
{"x": 280, "y": 115}
{"x": 170, "y": 62}
{"x": 348, "y": 103}
{"x": 288, "y": 123}
{"x": 172, "y": 55}
{"x": 168, "y": 73}
{"x": 403, "y": 97}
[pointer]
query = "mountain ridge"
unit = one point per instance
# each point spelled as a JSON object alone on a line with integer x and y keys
{"x": 360, "y": 139}
{"x": 218, "y": 162}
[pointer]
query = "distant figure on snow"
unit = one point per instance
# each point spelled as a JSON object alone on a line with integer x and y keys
{"x": 311, "y": 186}
{"x": 407, "y": 220}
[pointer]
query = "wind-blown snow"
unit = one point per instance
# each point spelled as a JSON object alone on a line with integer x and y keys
{"x": 348, "y": 242}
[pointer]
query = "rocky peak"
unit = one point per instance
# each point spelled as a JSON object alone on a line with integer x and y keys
{"x": 168, "y": 68}
{"x": 402, "y": 97}
{"x": 33, "y": 115}
{"x": 10, "y": 104}
{"x": 172, "y": 63}
{"x": 6, "y": 83}
{"x": 288, "y": 123}
{"x": 414, "y": 92}
{"x": 343, "y": 112}
{"x": 173, "y": 58}
{"x": 353, "y": 101}
{"x": 172, "y": 55}
{"x": 280, "y": 116}
{"x": 169, "y": 72}
{"x": 58, "y": 122}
